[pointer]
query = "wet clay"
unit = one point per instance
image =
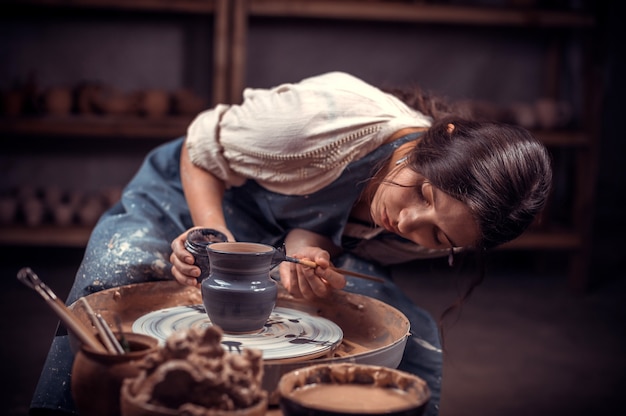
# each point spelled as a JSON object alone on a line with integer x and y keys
{"x": 346, "y": 388}
{"x": 192, "y": 373}
{"x": 353, "y": 398}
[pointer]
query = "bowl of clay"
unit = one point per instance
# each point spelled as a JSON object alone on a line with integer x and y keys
{"x": 350, "y": 389}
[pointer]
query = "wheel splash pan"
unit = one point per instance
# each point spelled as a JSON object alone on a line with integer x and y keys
{"x": 373, "y": 332}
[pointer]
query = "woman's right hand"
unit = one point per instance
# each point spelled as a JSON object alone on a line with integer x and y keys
{"x": 183, "y": 268}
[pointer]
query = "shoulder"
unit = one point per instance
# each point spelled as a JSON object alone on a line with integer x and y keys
{"x": 337, "y": 78}
{"x": 342, "y": 83}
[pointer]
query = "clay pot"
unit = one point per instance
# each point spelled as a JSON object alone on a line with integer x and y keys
{"x": 85, "y": 96}
{"x": 90, "y": 210}
{"x": 63, "y": 214}
{"x": 552, "y": 114}
{"x": 239, "y": 294}
{"x": 58, "y": 101}
{"x": 154, "y": 103}
{"x": 186, "y": 102}
{"x": 197, "y": 242}
{"x": 112, "y": 101}
{"x": 13, "y": 103}
{"x": 97, "y": 377}
{"x": 8, "y": 209}
{"x": 34, "y": 211}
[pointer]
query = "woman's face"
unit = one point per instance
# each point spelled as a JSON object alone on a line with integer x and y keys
{"x": 422, "y": 213}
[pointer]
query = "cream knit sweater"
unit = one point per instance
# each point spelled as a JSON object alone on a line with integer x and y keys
{"x": 296, "y": 138}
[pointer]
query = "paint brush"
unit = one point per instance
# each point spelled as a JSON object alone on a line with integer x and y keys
{"x": 97, "y": 323}
{"x": 313, "y": 265}
{"x": 30, "y": 279}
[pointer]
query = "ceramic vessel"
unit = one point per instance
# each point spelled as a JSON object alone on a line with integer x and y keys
{"x": 239, "y": 294}
{"x": 97, "y": 377}
{"x": 350, "y": 389}
{"x": 197, "y": 242}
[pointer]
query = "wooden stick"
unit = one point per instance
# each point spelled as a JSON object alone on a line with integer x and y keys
{"x": 73, "y": 324}
{"x": 313, "y": 265}
{"x": 100, "y": 327}
{"x": 109, "y": 334}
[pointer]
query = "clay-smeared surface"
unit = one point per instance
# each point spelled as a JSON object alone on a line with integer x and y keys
{"x": 373, "y": 332}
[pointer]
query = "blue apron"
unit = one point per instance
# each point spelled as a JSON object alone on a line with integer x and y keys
{"x": 131, "y": 244}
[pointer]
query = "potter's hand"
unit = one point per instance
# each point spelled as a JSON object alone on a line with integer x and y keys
{"x": 307, "y": 282}
{"x": 183, "y": 268}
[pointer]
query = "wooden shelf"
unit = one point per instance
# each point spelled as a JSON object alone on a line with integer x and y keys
{"x": 563, "y": 138}
{"x": 179, "y": 6}
{"x": 419, "y": 13}
{"x": 47, "y": 235}
{"x": 172, "y": 127}
{"x": 97, "y": 126}
{"x": 561, "y": 240}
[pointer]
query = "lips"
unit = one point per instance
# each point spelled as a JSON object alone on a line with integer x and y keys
{"x": 386, "y": 223}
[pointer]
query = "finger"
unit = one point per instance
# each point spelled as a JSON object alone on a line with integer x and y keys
{"x": 183, "y": 279}
{"x": 289, "y": 279}
{"x": 184, "y": 273}
{"x": 179, "y": 250}
{"x": 311, "y": 285}
{"x": 334, "y": 279}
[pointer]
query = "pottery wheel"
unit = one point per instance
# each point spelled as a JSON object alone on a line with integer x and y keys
{"x": 288, "y": 335}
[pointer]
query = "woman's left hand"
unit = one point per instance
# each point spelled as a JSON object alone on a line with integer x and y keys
{"x": 307, "y": 282}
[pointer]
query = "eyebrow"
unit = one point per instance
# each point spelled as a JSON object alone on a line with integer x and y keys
{"x": 452, "y": 243}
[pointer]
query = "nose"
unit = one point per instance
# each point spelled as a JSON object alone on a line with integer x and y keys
{"x": 409, "y": 219}
{"x": 416, "y": 224}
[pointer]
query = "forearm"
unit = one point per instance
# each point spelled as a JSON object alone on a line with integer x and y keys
{"x": 204, "y": 194}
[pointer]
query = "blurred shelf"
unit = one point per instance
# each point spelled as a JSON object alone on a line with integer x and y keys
{"x": 179, "y": 6}
{"x": 45, "y": 235}
{"x": 563, "y": 138}
{"x": 533, "y": 240}
{"x": 97, "y": 126}
{"x": 420, "y": 13}
{"x": 172, "y": 127}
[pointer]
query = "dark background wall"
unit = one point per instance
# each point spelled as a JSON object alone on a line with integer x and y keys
{"x": 134, "y": 51}
{"x": 542, "y": 349}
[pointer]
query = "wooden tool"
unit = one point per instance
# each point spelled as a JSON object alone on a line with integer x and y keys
{"x": 106, "y": 335}
{"x": 313, "y": 265}
{"x": 30, "y": 279}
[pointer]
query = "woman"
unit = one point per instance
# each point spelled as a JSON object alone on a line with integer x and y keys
{"x": 339, "y": 172}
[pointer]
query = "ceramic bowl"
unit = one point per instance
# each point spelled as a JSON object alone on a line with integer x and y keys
{"x": 132, "y": 406}
{"x": 97, "y": 377}
{"x": 350, "y": 389}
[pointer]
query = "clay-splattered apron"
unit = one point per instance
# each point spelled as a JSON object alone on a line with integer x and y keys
{"x": 131, "y": 244}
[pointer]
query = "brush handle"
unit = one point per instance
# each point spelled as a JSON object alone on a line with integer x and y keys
{"x": 73, "y": 324}
{"x": 313, "y": 265}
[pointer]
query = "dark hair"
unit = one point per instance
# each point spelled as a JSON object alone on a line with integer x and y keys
{"x": 502, "y": 173}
